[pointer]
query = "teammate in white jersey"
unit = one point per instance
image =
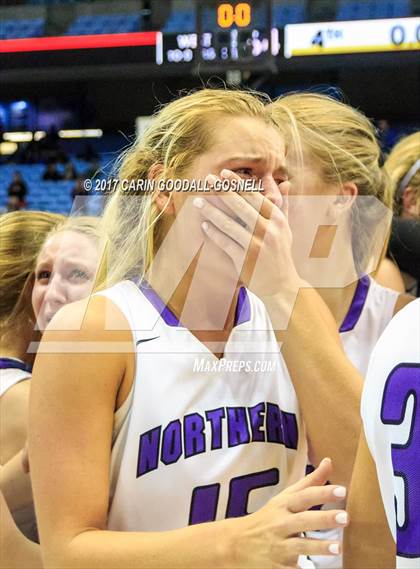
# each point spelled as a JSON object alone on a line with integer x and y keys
{"x": 197, "y": 444}
{"x": 47, "y": 261}
{"x": 391, "y": 420}
{"x": 21, "y": 236}
{"x": 340, "y": 206}
{"x": 338, "y": 243}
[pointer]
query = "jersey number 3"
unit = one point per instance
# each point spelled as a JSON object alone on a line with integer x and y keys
{"x": 404, "y": 383}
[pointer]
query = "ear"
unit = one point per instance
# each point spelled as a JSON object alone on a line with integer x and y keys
{"x": 409, "y": 201}
{"x": 161, "y": 198}
{"x": 346, "y": 196}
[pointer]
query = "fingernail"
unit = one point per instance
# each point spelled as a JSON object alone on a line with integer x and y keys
{"x": 341, "y": 518}
{"x": 211, "y": 179}
{"x": 205, "y": 225}
{"x": 334, "y": 548}
{"x": 225, "y": 172}
{"x": 340, "y": 492}
{"x": 198, "y": 202}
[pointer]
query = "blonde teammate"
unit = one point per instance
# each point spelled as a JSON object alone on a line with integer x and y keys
{"x": 224, "y": 443}
{"x": 403, "y": 165}
{"x": 48, "y": 261}
{"x": 339, "y": 161}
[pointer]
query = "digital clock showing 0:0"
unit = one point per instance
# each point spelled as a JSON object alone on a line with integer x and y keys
{"x": 229, "y": 15}
{"x": 360, "y": 36}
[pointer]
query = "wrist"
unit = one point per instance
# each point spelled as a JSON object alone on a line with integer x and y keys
{"x": 280, "y": 305}
{"x": 227, "y": 547}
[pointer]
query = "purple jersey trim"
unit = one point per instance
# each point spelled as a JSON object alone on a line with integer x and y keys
{"x": 242, "y": 313}
{"x": 357, "y": 304}
{"x": 243, "y": 308}
{"x": 10, "y": 363}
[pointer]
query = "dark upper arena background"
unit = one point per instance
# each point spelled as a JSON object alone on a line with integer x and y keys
{"x": 76, "y": 75}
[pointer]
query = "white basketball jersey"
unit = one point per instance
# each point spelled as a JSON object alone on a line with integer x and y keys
{"x": 12, "y": 371}
{"x": 369, "y": 313}
{"x": 204, "y": 439}
{"x": 391, "y": 419}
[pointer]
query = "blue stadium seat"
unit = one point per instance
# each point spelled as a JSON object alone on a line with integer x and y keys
{"x": 22, "y": 28}
{"x": 105, "y": 24}
{"x": 289, "y": 14}
{"x": 372, "y": 9}
{"x": 180, "y": 21}
{"x": 44, "y": 195}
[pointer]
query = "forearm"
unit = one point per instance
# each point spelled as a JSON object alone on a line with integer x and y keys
{"x": 368, "y": 542}
{"x": 195, "y": 547}
{"x": 328, "y": 387}
{"x": 15, "y": 484}
{"x": 16, "y": 551}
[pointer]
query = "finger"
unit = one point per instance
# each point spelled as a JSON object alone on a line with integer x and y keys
{"x": 315, "y": 496}
{"x": 256, "y": 199}
{"x": 315, "y": 521}
{"x": 239, "y": 207}
{"x": 285, "y": 189}
{"x": 307, "y": 546}
{"x": 225, "y": 243}
{"x": 223, "y": 222}
{"x": 318, "y": 477}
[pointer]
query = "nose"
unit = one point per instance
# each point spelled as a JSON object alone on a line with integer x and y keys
{"x": 56, "y": 294}
{"x": 275, "y": 192}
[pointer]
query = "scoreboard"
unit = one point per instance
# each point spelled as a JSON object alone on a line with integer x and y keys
{"x": 225, "y": 32}
{"x": 232, "y": 34}
{"x": 229, "y": 46}
{"x": 362, "y": 36}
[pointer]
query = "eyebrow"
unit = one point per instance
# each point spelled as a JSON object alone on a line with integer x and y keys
{"x": 257, "y": 159}
{"x": 66, "y": 262}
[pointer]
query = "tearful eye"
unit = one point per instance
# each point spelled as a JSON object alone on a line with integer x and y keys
{"x": 43, "y": 275}
{"x": 244, "y": 171}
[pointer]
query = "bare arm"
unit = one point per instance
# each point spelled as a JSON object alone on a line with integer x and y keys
{"x": 16, "y": 551}
{"x": 73, "y": 399}
{"x": 327, "y": 384}
{"x": 368, "y": 542}
{"x": 15, "y": 484}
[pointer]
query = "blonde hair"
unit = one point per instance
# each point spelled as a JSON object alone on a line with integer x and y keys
{"x": 343, "y": 142}
{"x": 401, "y": 159}
{"x": 87, "y": 225}
{"x": 177, "y": 135}
{"x": 22, "y": 234}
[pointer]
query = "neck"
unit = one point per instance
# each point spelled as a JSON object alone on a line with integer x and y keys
{"x": 16, "y": 346}
{"x": 200, "y": 303}
{"x": 338, "y": 300}
{"x": 205, "y": 305}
